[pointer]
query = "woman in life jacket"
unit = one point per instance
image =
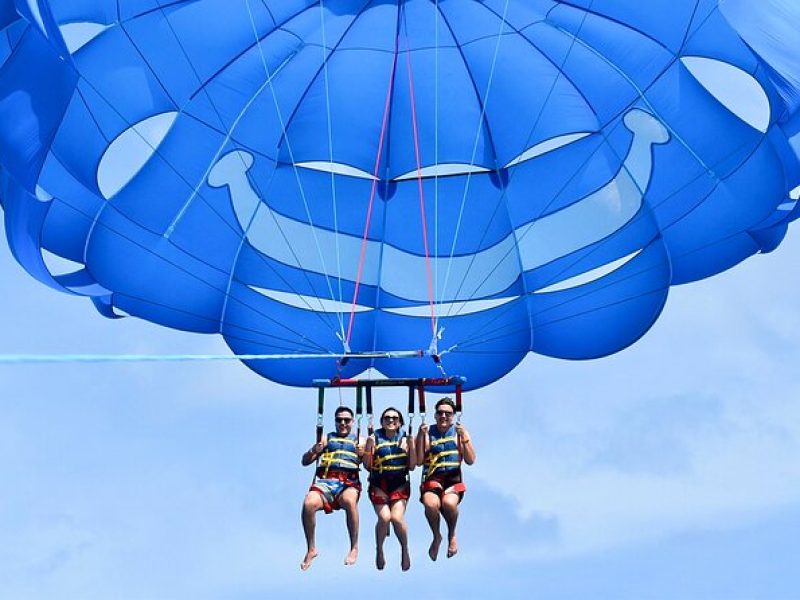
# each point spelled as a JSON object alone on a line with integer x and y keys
{"x": 389, "y": 456}
{"x": 336, "y": 484}
{"x": 441, "y": 450}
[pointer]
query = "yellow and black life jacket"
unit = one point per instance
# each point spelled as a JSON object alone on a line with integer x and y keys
{"x": 389, "y": 458}
{"x": 340, "y": 454}
{"x": 443, "y": 454}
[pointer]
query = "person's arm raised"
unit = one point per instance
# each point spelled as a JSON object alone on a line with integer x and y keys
{"x": 465, "y": 444}
{"x": 423, "y": 442}
{"x": 412, "y": 452}
{"x": 311, "y": 455}
{"x": 369, "y": 451}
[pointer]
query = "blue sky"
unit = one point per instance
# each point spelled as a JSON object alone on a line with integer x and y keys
{"x": 667, "y": 471}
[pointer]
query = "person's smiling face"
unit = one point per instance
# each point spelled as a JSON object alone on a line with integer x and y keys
{"x": 344, "y": 423}
{"x": 390, "y": 422}
{"x": 444, "y": 417}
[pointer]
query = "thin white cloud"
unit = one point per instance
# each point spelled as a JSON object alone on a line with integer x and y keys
{"x": 130, "y": 477}
{"x": 694, "y": 427}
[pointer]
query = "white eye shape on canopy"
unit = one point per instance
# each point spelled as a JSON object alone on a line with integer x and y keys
{"x": 79, "y": 34}
{"x": 735, "y": 89}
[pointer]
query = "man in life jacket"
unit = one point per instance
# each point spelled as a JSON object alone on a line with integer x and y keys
{"x": 441, "y": 450}
{"x": 336, "y": 484}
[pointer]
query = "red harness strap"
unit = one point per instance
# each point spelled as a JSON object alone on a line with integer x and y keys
{"x": 441, "y": 485}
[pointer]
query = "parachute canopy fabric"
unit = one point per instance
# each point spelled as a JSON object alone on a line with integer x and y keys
{"x": 485, "y": 177}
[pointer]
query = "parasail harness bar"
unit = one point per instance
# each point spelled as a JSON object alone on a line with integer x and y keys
{"x": 338, "y": 382}
{"x": 416, "y": 387}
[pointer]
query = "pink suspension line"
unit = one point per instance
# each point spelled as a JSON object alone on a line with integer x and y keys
{"x": 420, "y": 188}
{"x": 375, "y": 180}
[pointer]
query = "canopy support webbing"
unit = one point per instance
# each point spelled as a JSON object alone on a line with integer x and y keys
{"x": 410, "y": 410}
{"x": 320, "y": 411}
{"x": 370, "y": 423}
{"x": 359, "y": 410}
{"x": 459, "y": 408}
{"x": 421, "y": 398}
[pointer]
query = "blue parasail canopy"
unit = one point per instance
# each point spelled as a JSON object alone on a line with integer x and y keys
{"x": 481, "y": 179}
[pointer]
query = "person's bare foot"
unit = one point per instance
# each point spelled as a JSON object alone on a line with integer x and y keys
{"x": 452, "y": 547}
{"x": 433, "y": 551}
{"x": 351, "y": 557}
{"x": 405, "y": 560}
{"x": 307, "y": 559}
{"x": 380, "y": 560}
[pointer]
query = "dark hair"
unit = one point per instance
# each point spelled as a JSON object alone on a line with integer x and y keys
{"x": 383, "y": 414}
{"x": 446, "y": 400}
{"x": 342, "y": 409}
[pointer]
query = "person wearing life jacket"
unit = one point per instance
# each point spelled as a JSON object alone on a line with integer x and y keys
{"x": 390, "y": 455}
{"x": 336, "y": 484}
{"x": 441, "y": 450}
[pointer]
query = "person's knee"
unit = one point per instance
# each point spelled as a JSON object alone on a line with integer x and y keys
{"x": 450, "y": 503}
{"x": 347, "y": 500}
{"x": 384, "y": 517}
{"x": 398, "y": 511}
{"x": 431, "y": 501}
{"x": 312, "y": 502}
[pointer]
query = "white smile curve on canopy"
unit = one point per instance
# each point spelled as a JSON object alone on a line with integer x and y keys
{"x": 312, "y": 303}
{"x": 585, "y": 222}
{"x": 324, "y": 305}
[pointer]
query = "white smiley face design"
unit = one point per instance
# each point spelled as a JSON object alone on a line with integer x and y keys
{"x": 582, "y": 223}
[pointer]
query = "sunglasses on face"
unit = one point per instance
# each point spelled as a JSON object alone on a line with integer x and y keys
{"x": 344, "y": 420}
{"x": 444, "y": 413}
{"x": 390, "y": 418}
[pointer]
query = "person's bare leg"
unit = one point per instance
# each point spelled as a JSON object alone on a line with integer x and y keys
{"x": 311, "y": 504}
{"x": 348, "y": 500}
{"x": 401, "y": 531}
{"x": 381, "y": 531}
{"x": 432, "y": 506}
{"x": 450, "y": 512}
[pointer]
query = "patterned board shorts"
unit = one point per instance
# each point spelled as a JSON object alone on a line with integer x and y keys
{"x": 332, "y": 487}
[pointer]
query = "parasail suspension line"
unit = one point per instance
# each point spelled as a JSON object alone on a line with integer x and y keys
{"x": 345, "y": 342}
{"x": 436, "y": 18}
{"x": 374, "y": 189}
{"x": 325, "y": 58}
{"x": 481, "y": 118}
{"x": 285, "y": 136}
{"x": 420, "y": 188}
